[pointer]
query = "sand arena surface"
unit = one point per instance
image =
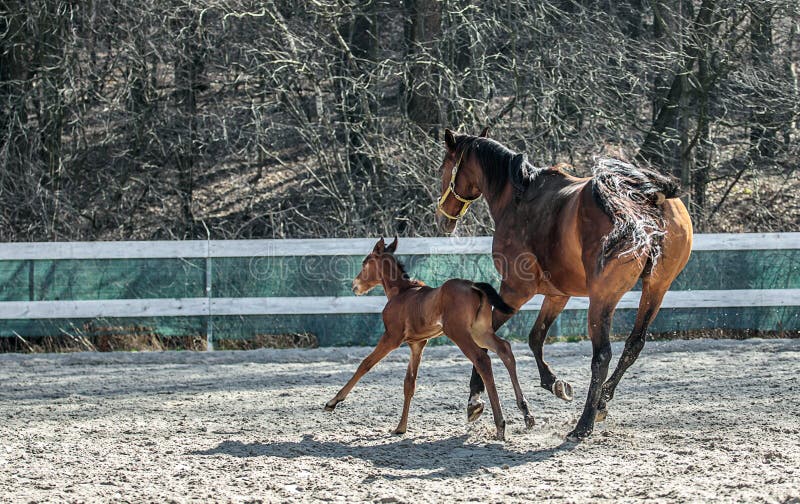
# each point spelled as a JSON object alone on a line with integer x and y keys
{"x": 692, "y": 421}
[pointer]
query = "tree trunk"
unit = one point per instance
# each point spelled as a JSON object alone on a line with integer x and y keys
{"x": 360, "y": 34}
{"x": 703, "y": 146}
{"x": 422, "y": 106}
{"x": 655, "y": 148}
{"x": 189, "y": 68}
{"x": 14, "y": 81}
{"x": 763, "y": 133}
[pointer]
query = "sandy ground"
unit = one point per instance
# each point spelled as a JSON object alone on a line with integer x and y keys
{"x": 693, "y": 421}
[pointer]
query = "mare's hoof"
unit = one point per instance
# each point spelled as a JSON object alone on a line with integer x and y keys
{"x": 601, "y": 415}
{"x": 398, "y": 431}
{"x": 529, "y": 422}
{"x": 576, "y": 436}
{"x": 474, "y": 410}
{"x": 562, "y": 390}
{"x": 330, "y": 405}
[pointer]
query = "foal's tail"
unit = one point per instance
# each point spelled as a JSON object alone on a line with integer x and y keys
{"x": 494, "y": 297}
{"x": 631, "y": 196}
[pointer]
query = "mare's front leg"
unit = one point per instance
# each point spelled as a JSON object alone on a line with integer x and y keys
{"x": 514, "y": 297}
{"x": 551, "y": 308}
{"x": 386, "y": 344}
{"x": 410, "y": 384}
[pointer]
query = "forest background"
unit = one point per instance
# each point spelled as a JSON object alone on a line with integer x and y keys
{"x": 163, "y": 119}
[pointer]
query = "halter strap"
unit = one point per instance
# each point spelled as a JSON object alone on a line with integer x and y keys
{"x": 451, "y": 189}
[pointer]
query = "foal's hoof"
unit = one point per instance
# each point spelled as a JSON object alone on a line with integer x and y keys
{"x": 529, "y": 422}
{"x": 576, "y": 436}
{"x": 562, "y": 390}
{"x": 330, "y": 405}
{"x": 398, "y": 431}
{"x": 501, "y": 432}
{"x": 474, "y": 410}
{"x": 601, "y": 415}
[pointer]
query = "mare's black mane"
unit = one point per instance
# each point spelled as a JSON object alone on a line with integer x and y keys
{"x": 500, "y": 164}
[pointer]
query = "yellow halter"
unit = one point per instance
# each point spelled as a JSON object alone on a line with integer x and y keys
{"x": 466, "y": 202}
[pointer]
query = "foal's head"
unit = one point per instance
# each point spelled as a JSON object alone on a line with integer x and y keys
{"x": 460, "y": 175}
{"x": 373, "y": 267}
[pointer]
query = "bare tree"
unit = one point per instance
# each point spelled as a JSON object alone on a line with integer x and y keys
{"x": 156, "y": 119}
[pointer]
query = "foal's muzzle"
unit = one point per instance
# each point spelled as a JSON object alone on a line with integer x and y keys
{"x": 359, "y": 288}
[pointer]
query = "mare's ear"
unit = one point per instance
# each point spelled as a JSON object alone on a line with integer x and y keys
{"x": 484, "y": 132}
{"x": 392, "y": 246}
{"x": 449, "y": 140}
{"x": 379, "y": 246}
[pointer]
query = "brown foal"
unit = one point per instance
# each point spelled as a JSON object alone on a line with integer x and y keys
{"x": 416, "y": 313}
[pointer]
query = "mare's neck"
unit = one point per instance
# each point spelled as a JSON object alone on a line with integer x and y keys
{"x": 498, "y": 202}
{"x": 546, "y": 180}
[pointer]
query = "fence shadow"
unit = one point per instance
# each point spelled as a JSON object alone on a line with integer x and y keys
{"x": 444, "y": 457}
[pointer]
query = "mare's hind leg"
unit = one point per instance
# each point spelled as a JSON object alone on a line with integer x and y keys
{"x": 601, "y": 311}
{"x": 386, "y": 344}
{"x": 410, "y": 384}
{"x": 649, "y": 304}
{"x": 552, "y": 306}
{"x": 503, "y": 350}
{"x": 676, "y": 248}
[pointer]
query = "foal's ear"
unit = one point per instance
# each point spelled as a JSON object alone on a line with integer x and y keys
{"x": 484, "y": 132}
{"x": 379, "y": 246}
{"x": 392, "y": 246}
{"x": 449, "y": 140}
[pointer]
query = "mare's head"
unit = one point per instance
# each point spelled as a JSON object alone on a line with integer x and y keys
{"x": 461, "y": 173}
{"x": 372, "y": 268}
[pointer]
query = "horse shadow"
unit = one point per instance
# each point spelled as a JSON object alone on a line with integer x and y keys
{"x": 442, "y": 457}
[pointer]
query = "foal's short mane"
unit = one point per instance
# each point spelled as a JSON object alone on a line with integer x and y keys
{"x": 401, "y": 268}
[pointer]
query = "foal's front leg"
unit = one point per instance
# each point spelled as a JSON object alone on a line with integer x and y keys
{"x": 386, "y": 344}
{"x": 410, "y": 384}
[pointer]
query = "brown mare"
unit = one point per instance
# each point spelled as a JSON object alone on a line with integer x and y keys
{"x": 416, "y": 313}
{"x": 563, "y": 236}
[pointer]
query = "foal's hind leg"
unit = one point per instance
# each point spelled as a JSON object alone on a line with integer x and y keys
{"x": 483, "y": 366}
{"x": 515, "y": 297}
{"x": 385, "y": 345}
{"x": 552, "y": 306}
{"x": 410, "y": 384}
{"x": 503, "y": 350}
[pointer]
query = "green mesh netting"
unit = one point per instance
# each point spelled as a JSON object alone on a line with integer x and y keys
{"x": 332, "y": 276}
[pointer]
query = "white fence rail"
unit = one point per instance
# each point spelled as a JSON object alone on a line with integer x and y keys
{"x": 327, "y": 247}
{"x": 206, "y": 306}
{"x": 185, "y": 307}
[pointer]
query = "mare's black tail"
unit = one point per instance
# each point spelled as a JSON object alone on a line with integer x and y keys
{"x": 631, "y": 196}
{"x": 494, "y": 297}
